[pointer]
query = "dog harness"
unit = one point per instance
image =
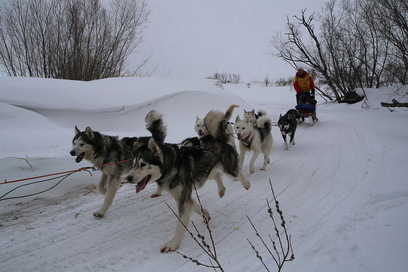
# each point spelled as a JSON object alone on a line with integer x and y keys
{"x": 247, "y": 141}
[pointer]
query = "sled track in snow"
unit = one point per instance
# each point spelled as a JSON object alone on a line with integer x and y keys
{"x": 136, "y": 225}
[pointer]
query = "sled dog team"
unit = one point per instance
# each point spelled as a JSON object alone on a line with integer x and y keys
{"x": 180, "y": 168}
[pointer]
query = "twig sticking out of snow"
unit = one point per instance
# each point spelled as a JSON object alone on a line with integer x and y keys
{"x": 282, "y": 249}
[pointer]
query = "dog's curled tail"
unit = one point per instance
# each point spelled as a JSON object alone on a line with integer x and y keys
{"x": 261, "y": 113}
{"x": 230, "y": 110}
{"x": 264, "y": 123}
{"x": 156, "y": 126}
{"x": 216, "y": 123}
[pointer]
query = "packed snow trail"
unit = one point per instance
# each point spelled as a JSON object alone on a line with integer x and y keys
{"x": 333, "y": 187}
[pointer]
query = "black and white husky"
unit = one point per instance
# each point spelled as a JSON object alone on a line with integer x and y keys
{"x": 257, "y": 139}
{"x": 116, "y": 154}
{"x": 179, "y": 169}
{"x": 287, "y": 125}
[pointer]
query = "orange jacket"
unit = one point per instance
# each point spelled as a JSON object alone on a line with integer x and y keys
{"x": 303, "y": 83}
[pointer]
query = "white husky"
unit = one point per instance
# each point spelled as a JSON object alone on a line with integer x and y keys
{"x": 257, "y": 139}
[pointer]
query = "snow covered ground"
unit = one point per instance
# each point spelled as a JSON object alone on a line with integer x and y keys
{"x": 342, "y": 187}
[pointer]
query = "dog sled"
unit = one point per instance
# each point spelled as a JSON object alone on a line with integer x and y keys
{"x": 307, "y": 109}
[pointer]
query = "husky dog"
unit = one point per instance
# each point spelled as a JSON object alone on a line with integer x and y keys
{"x": 200, "y": 128}
{"x": 177, "y": 170}
{"x": 257, "y": 139}
{"x": 288, "y": 124}
{"x": 202, "y": 131}
{"x": 115, "y": 154}
{"x": 252, "y": 117}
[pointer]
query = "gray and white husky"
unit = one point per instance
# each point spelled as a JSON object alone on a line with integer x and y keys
{"x": 257, "y": 139}
{"x": 115, "y": 154}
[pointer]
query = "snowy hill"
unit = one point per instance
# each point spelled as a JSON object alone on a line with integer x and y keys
{"x": 342, "y": 187}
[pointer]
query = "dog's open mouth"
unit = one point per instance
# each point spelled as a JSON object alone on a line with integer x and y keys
{"x": 142, "y": 184}
{"x": 80, "y": 157}
{"x": 239, "y": 136}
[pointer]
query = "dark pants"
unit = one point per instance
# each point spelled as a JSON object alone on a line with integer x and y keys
{"x": 304, "y": 94}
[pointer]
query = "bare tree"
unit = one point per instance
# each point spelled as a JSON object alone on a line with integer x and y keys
{"x": 351, "y": 49}
{"x": 294, "y": 50}
{"x": 70, "y": 39}
{"x": 225, "y": 78}
{"x": 390, "y": 17}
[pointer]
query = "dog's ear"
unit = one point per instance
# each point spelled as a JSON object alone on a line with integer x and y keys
{"x": 197, "y": 118}
{"x": 237, "y": 119}
{"x": 154, "y": 147}
{"x": 253, "y": 111}
{"x": 280, "y": 116}
{"x": 89, "y": 132}
{"x": 77, "y": 131}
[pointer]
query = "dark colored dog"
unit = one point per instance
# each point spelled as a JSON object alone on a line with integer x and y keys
{"x": 288, "y": 124}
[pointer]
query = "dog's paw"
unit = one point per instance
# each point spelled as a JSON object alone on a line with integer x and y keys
{"x": 286, "y": 146}
{"x": 221, "y": 192}
{"x": 169, "y": 247}
{"x": 98, "y": 214}
{"x": 246, "y": 184}
{"x": 102, "y": 190}
{"x": 157, "y": 193}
